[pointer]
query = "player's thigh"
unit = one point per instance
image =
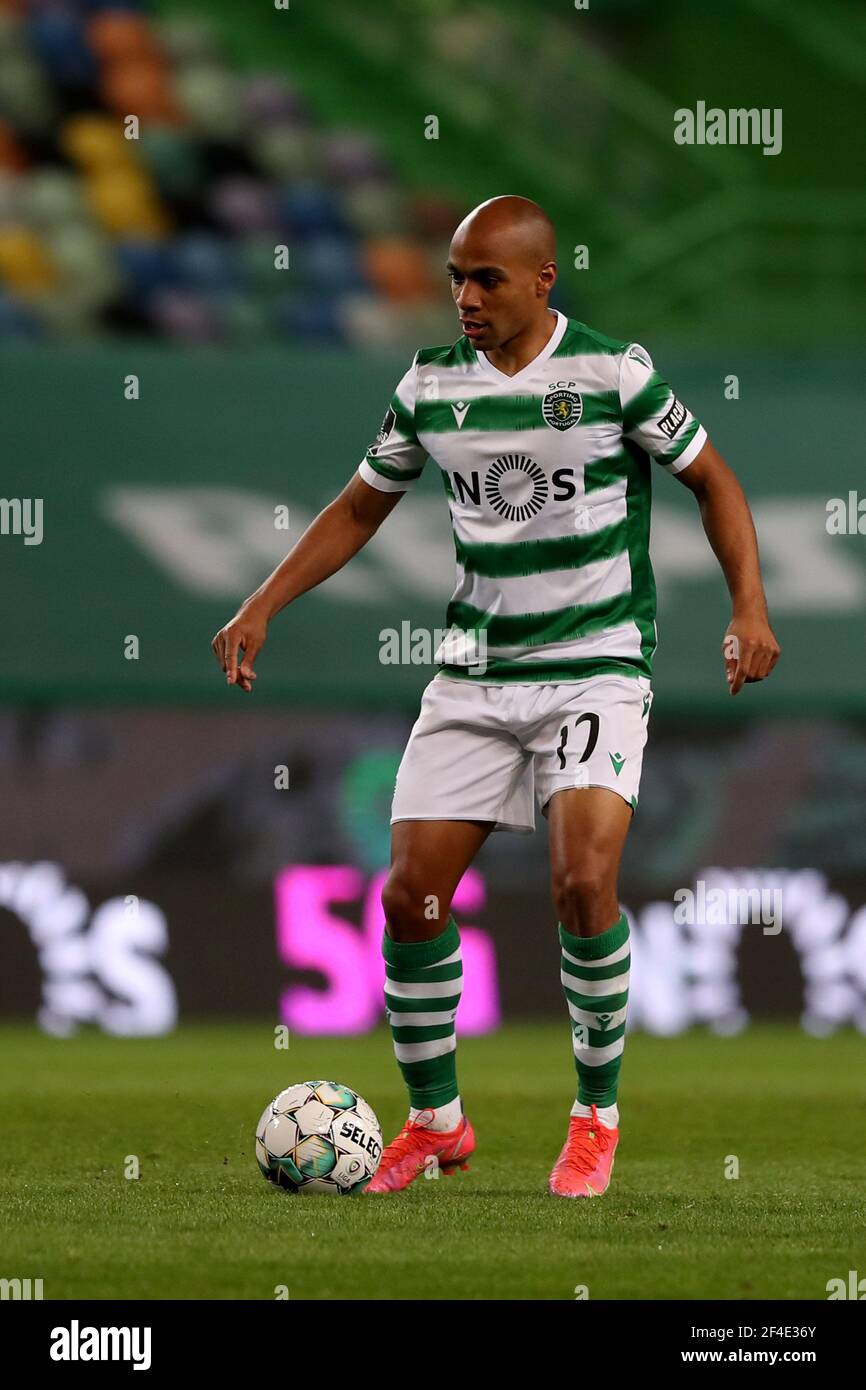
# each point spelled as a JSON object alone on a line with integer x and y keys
{"x": 428, "y": 860}
{"x": 588, "y": 829}
{"x": 463, "y": 762}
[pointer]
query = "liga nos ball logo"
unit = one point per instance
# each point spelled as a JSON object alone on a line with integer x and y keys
{"x": 384, "y": 430}
{"x": 318, "y": 1136}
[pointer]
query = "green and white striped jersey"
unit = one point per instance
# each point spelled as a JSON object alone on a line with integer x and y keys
{"x": 548, "y": 480}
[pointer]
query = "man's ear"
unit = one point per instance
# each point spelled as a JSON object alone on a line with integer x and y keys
{"x": 546, "y": 278}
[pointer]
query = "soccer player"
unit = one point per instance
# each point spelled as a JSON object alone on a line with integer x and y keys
{"x": 544, "y": 431}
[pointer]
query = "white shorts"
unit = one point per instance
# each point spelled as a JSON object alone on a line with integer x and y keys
{"x": 488, "y": 752}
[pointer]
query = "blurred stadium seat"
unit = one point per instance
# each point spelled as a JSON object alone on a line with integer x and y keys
{"x": 170, "y": 229}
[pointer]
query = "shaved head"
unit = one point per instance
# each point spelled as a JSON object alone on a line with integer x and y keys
{"x": 516, "y": 224}
{"x": 502, "y": 264}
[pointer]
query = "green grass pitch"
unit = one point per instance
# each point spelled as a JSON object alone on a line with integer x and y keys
{"x": 201, "y": 1223}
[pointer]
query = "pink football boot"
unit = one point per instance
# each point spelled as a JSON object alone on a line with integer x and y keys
{"x": 418, "y": 1150}
{"x": 584, "y": 1167}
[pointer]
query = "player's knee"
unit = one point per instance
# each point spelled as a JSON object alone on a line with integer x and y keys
{"x": 581, "y": 896}
{"x": 411, "y": 912}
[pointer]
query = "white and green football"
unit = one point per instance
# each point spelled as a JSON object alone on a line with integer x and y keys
{"x": 319, "y": 1136}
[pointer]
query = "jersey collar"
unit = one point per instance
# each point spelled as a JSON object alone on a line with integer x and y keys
{"x": 547, "y": 351}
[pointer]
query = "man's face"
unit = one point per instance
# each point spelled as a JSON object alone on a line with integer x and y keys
{"x": 496, "y": 287}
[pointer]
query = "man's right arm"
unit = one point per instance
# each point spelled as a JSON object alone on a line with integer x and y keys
{"x": 329, "y": 542}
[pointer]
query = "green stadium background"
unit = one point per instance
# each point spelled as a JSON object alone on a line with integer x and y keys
{"x": 168, "y": 392}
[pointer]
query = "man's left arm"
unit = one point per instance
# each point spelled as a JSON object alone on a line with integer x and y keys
{"x": 730, "y": 531}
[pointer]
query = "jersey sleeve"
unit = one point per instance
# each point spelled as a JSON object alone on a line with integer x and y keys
{"x": 653, "y": 417}
{"x": 395, "y": 460}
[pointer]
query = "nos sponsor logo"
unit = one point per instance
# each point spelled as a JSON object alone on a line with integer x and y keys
{"x": 467, "y": 490}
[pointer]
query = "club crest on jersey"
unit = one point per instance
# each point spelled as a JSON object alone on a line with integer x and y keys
{"x": 562, "y": 409}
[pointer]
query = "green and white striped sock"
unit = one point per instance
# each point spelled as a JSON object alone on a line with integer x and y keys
{"x": 595, "y": 980}
{"x": 423, "y": 984}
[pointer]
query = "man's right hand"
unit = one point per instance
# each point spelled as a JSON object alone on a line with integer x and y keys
{"x": 246, "y": 633}
{"x": 337, "y": 534}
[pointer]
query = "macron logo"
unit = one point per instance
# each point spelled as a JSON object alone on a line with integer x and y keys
{"x": 460, "y": 412}
{"x": 77, "y": 1343}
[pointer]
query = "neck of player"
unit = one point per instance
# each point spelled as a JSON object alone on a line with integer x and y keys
{"x": 515, "y": 354}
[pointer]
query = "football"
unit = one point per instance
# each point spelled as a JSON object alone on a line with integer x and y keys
{"x": 319, "y": 1136}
